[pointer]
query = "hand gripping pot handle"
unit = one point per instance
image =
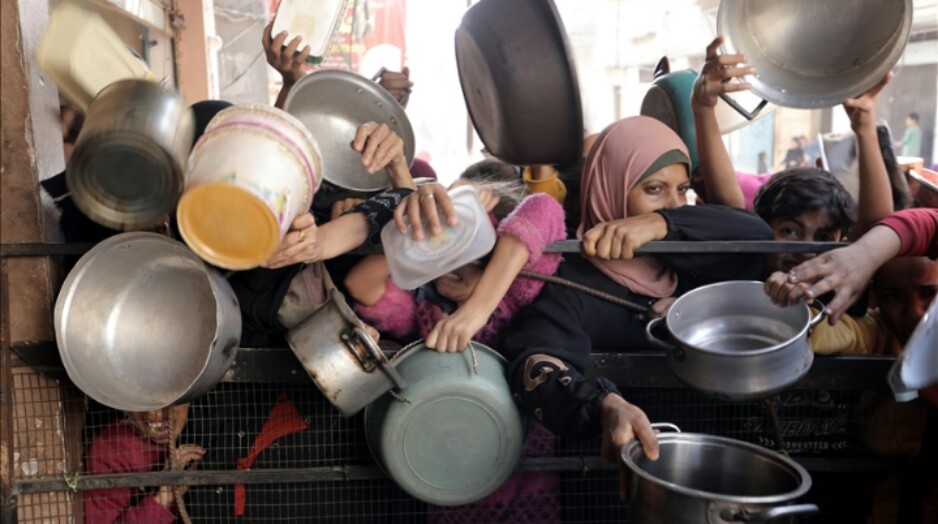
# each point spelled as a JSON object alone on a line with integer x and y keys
{"x": 721, "y": 513}
{"x": 376, "y": 356}
{"x": 661, "y": 426}
{"x": 819, "y": 317}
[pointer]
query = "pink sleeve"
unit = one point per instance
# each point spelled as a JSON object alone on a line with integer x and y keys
{"x": 536, "y": 222}
{"x": 395, "y": 314}
{"x": 917, "y": 230}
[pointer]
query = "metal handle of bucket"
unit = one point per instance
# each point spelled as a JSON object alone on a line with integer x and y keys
{"x": 661, "y": 426}
{"x": 727, "y": 512}
{"x": 741, "y": 110}
{"x": 375, "y": 355}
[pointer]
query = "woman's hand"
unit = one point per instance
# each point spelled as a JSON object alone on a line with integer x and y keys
{"x": 186, "y": 454}
{"x": 425, "y": 203}
{"x": 622, "y": 423}
{"x": 620, "y": 238}
{"x": 660, "y": 308}
{"x": 397, "y": 84}
{"x": 781, "y": 291}
{"x": 489, "y": 199}
{"x": 380, "y": 147}
{"x": 453, "y": 333}
{"x": 291, "y": 68}
{"x": 341, "y": 206}
{"x": 714, "y": 78}
{"x": 862, "y": 109}
{"x": 301, "y": 244}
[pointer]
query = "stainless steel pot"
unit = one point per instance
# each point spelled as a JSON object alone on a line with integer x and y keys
{"x": 811, "y": 54}
{"x": 128, "y": 166}
{"x": 142, "y": 323}
{"x": 340, "y": 357}
{"x": 332, "y": 104}
{"x": 706, "y": 479}
{"x": 733, "y": 343}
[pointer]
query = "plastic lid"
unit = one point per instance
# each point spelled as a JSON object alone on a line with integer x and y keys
{"x": 415, "y": 262}
{"x": 228, "y": 226}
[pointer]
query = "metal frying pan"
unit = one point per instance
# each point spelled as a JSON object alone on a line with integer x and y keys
{"x": 332, "y": 104}
{"x": 519, "y": 81}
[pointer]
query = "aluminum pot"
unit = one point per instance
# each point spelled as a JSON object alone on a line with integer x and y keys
{"x": 812, "y": 54}
{"x": 341, "y": 358}
{"x": 127, "y": 169}
{"x": 332, "y": 104}
{"x": 142, "y": 323}
{"x": 706, "y": 479}
{"x": 733, "y": 343}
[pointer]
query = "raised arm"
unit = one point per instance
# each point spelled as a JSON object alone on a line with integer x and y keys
{"x": 291, "y": 68}
{"x": 718, "y": 173}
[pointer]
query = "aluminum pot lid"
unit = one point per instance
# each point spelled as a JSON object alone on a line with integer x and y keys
{"x": 519, "y": 81}
{"x": 459, "y": 435}
{"x": 332, "y": 104}
{"x": 917, "y": 368}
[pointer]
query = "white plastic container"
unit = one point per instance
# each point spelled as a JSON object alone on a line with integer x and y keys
{"x": 83, "y": 55}
{"x": 316, "y": 21}
{"x": 414, "y": 263}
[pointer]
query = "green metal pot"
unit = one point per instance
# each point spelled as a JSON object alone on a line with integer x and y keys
{"x": 458, "y": 435}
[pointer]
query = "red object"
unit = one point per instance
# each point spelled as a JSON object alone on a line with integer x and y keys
{"x": 284, "y": 419}
{"x": 917, "y": 229}
{"x": 930, "y": 395}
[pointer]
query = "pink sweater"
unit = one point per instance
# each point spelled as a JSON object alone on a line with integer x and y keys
{"x": 536, "y": 222}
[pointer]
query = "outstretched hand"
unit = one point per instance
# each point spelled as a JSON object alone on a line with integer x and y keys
{"x": 716, "y": 75}
{"x": 301, "y": 244}
{"x": 862, "y": 109}
{"x": 425, "y": 203}
{"x": 622, "y": 423}
{"x": 291, "y": 68}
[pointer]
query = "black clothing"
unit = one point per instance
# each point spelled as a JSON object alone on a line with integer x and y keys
{"x": 567, "y": 324}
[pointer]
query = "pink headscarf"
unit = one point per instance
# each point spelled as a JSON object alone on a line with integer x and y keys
{"x": 622, "y": 153}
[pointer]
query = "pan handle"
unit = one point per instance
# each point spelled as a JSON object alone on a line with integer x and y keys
{"x": 376, "y": 356}
{"x": 661, "y": 426}
{"x": 819, "y": 317}
{"x": 741, "y": 110}
{"x": 765, "y": 514}
{"x": 655, "y": 340}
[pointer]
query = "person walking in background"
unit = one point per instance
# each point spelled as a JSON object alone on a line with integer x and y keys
{"x": 794, "y": 157}
{"x": 911, "y": 142}
{"x": 763, "y": 165}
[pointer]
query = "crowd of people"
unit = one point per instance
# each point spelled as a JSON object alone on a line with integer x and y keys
{"x": 631, "y": 188}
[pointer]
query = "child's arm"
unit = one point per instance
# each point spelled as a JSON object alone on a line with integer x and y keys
{"x": 718, "y": 174}
{"x": 875, "y": 199}
{"x": 367, "y": 281}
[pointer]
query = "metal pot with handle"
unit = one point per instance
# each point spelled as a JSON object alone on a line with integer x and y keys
{"x": 731, "y": 342}
{"x": 341, "y": 358}
{"x": 715, "y": 480}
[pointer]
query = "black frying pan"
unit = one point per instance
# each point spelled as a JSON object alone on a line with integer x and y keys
{"x": 519, "y": 81}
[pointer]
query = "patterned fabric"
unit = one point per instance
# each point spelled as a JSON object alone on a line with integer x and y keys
{"x": 379, "y": 210}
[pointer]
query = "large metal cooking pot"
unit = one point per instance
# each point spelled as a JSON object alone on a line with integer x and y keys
{"x": 340, "y": 357}
{"x": 332, "y": 104}
{"x": 142, "y": 323}
{"x": 458, "y": 435}
{"x": 127, "y": 170}
{"x": 811, "y": 54}
{"x": 519, "y": 81}
{"x": 706, "y": 479}
{"x": 733, "y": 343}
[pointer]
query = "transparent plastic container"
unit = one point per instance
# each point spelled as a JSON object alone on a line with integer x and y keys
{"x": 316, "y": 21}
{"x": 414, "y": 263}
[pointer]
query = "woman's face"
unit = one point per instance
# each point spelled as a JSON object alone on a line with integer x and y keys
{"x": 162, "y": 425}
{"x": 459, "y": 284}
{"x": 663, "y": 189}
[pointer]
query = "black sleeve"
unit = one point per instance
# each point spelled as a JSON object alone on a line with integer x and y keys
{"x": 554, "y": 390}
{"x": 379, "y": 210}
{"x": 714, "y": 222}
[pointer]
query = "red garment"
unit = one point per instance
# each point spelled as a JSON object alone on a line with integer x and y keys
{"x": 917, "y": 229}
{"x": 121, "y": 448}
{"x": 284, "y": 419}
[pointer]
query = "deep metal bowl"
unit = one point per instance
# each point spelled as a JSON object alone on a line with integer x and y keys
{"x": 142, "y": 323}
{"x": 810, "y": 54}
{"x": 332, "y": 104}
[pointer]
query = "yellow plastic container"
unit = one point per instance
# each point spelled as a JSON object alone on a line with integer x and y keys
{"x": 82, "y": 55}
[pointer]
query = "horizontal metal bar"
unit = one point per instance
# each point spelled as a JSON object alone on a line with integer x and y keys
{"x": 627, "y": 370}
{"x": 38, "y": 249}
{"x": 712, "y": 246}
{"x": 581, "y": 464}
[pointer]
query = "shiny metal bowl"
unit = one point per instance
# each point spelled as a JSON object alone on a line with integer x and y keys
{"x": 332, "y": 104}
{"x": 811, "y": 54}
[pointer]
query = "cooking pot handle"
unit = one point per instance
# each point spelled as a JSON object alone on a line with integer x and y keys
{"x": 740, "y": 109}
{"x": 374, "y": 352}
{"x": 665, "y": 425}
{"x": 764, "y": 514}
{"x": 655, "y": 340}
{"x": 819, "y": 317}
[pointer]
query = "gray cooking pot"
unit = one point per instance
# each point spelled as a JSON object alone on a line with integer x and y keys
{"x": 810, "y": 54}
{"x": 127, "y": 170}
{"x": 733, "y": 343}
{"x": 707, "y": 479}
{"x": 344, "y": 362}
{"x": 142, "y": 323}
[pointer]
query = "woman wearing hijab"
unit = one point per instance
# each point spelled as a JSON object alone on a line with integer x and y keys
{"x": 633, "y": 191}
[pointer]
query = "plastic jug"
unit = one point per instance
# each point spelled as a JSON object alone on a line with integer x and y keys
{"x": 415, "y": 262}
{"x": 316, "y": 21}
